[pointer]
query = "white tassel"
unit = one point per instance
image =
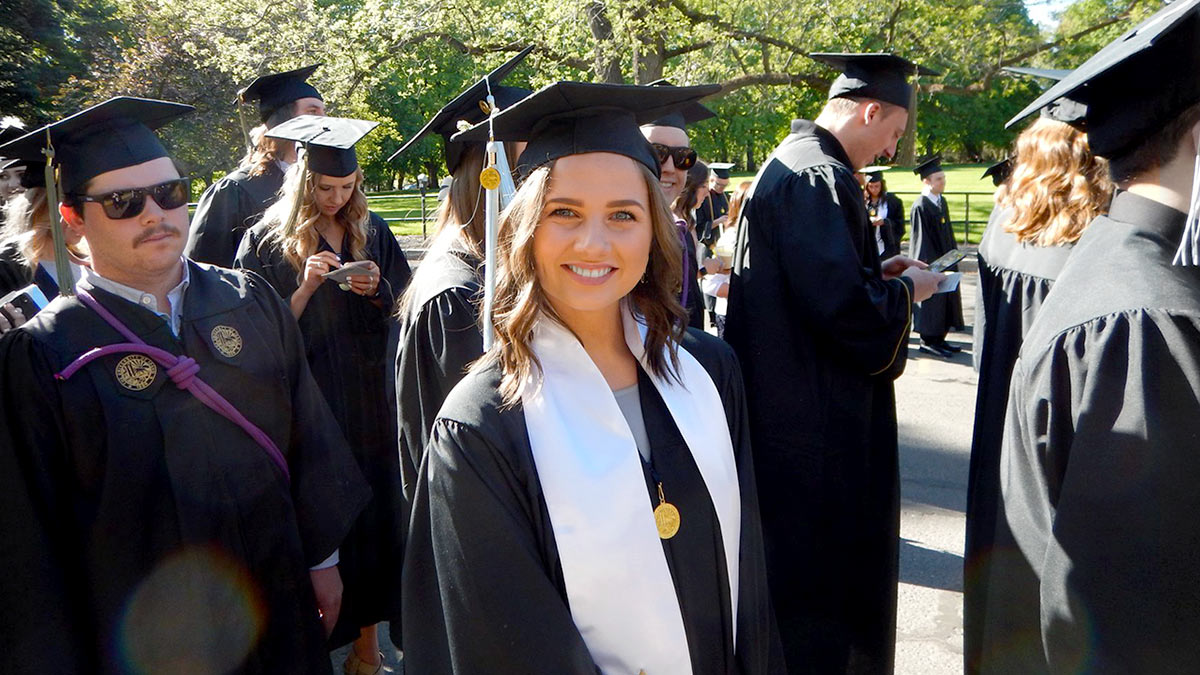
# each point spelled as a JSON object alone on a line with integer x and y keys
{"x": 1189, "y": 248}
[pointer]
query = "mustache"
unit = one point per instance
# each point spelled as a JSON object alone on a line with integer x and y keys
{"x": 154, "y": 232}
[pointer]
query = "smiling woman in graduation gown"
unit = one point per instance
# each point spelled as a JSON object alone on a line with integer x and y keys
{"x": 534, "y": 545}
{"x": 348, "y": 335}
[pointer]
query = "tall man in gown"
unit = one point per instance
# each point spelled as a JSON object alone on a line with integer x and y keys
{"x": 1099, "y": 465}
{"x": 820, "y": 326}
{"x": 932, "y": 236}
{"x": 173, "y": 486}
{"x": 235, "y": 203}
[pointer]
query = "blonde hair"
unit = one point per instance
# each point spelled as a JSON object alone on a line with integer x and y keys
{"x": 737, "y": 201}
{"x": 1057, "y": 187}
{"x": 299, "y": 239}
{"x": 266, "y": 151}
{"x": 27, "y": 226}
{"x": 520, "y": 301}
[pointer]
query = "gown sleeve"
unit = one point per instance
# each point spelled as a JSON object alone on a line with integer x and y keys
{"x": 218, "y": 221}
{"x": 503, "y": 612}
{"x": 328, "y": 488}
{"x": 46, "y": 614}
{"x": 1099, "y": 482}
{"x": 442, "y": 342}
{"x": 393, "y": 266}
{"x": 862, "y": 319}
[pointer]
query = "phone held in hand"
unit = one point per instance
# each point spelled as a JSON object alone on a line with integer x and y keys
{"x": 342, "y": 274}
{"x": 947, "y": 260}
{"x": 30, "y": 300}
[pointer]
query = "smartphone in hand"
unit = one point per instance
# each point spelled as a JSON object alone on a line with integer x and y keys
{"x": 946, "y": 261}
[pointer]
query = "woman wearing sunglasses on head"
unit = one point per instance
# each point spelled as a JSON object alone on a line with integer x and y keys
{"x": 26, "y": 244}
{"x": 580, "y": 509}
{"x": 319, "y": 226}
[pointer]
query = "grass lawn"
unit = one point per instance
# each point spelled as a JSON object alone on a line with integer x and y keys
{"x": 405, "y": 206}
{"x": 960, "y": 178}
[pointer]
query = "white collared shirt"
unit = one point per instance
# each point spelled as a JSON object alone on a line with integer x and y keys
{"x": 144, "y": 299}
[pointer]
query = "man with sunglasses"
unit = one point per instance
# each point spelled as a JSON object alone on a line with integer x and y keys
{"x": 821, "y": 326}
{"x": 173, "y": 487}
{"x": 235, "y": 203}
{"x": 668, "y": 136}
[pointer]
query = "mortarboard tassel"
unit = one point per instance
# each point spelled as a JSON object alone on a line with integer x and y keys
{"x": 62, "y": 259}
{"x": 1189, "y": 247}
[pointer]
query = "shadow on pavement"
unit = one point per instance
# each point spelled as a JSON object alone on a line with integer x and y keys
{"x": 930, "y": 568}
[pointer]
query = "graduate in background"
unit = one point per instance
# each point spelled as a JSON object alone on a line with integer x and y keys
{"x": 1056, "y": 188}
{"x": 1099, "y": 465}
{"x": 820, "y": 324}
{"x": 321, "y": 223}
{"x": 668, "y": 135}
{"x": 26, "y": 241}
{"x": 885, "y": 211}
{"x": 581, "y": 508}
{"x": 233, "y": 204}
{"x": 173, "y": 486}
{"x": 439, "y": 313}
{"x": 932, "y": 236}
{"x": 712, "y": 214}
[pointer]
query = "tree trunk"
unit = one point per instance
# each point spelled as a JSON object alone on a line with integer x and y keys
{"x": 607, "y": 65}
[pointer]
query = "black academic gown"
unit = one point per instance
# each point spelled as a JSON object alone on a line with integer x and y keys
{"x": 350, "y": 345}
{"x": 715, "y": 206}
{"x": 895, "y": 218}
{"x": 15, "y": 274}
{"x": 483, "y": 586}
{"x": 691, "y": 278}
{"x": 821, "y": 335}
{"x": 439, "y": 338}
{"x": 1100, "y": 570}
{"x": 1014, "y": 280}
{"x": 227, "y": 209}
{"x": 144, "y": 531}
{"x": 887, "y": 231}
{"x": 932, "y": 237}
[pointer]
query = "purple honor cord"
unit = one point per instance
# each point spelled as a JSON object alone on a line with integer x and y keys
{"x": 183, "y": 372}
{"x": 681, "y": 225}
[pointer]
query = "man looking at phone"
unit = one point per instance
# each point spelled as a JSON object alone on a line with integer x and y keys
{"x": 173, "y": 486}
{"x": 820, "y": 326}
{"x": 932, "y": 238}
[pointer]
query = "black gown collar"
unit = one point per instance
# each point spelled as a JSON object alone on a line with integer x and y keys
{"x": 1147, "y": 214}
{"x": 829, "y": 143}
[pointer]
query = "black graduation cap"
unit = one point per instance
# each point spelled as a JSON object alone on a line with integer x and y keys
{"x": 1000, "y": 171}
{"x": 879, "y": 76}
{"x": 874, "y": 174}
{"x": 7, "y": 162}
{"x": 469, "y": 106}
{"x": 328, "y": 141}
{"x": 1064, "y": 109}
{"x": 927, "y": 167}
{"x": 112, "y": 135}
{"x": 35, "y": 174}
{"x": 1138, "y": 82}
{"x": 11, "y": 128}
{"x": 685, "y": 116}
{"x": 721, "y": 169}
{"x": 572, "y": 118}
{"x": 279, "y": 89}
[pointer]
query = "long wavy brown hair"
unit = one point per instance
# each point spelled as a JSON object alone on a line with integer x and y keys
{"x": 684, "y": 205}
{"x": 298, "y": 240}
{"x": 1057, "y": 187}
{"x": 520, "y": 301}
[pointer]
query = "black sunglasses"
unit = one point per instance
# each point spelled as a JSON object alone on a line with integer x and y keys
{"x": 130, "y": 203}
{"x": 684, "y": 156}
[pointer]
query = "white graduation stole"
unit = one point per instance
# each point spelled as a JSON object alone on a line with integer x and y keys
{"x": 619, "y": 586}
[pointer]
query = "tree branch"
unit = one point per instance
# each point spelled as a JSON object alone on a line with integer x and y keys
{"x": 772, "y": 79}
{"x": 686, "y": 49}
{"x": 697, "y": 17}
